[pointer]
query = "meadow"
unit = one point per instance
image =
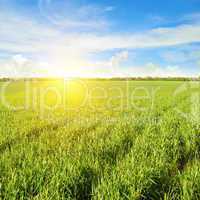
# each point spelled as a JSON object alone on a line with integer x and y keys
{"x": 99, "y": 139}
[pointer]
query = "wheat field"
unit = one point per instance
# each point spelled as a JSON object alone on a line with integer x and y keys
{"x": 99, "y": 139}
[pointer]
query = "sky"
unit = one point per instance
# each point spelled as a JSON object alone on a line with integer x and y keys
{"x": 99, "y": 38}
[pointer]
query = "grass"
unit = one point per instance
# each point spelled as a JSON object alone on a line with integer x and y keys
{"x": 92, "y": 139}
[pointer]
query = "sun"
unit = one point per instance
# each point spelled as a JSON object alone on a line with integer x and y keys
{"x": 65, "y": 72}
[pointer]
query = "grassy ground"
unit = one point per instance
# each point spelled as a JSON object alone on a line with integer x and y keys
{"x": 99, "y": 140}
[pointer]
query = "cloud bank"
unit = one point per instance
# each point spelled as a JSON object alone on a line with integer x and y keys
{"x": 64, "y": 44}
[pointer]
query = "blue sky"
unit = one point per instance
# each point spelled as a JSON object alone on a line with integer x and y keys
{"x": 99, "y": 38}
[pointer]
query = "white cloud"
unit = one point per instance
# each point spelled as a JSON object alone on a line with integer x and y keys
{"x": 21, "y": 66}
{"x": 20, "y": 59}
{"x": 89, "y": 16}
{"x": 153, "y": 70}
{"x": 107, "y": 69}
{"x": 116, "y": 63}
{"x": 117, "y": 59}
{"x": 20, "y": 35}
{"x": 27, "y": 35}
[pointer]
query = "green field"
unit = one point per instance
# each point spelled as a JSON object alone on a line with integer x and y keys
{"x": 92, "y": 139}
